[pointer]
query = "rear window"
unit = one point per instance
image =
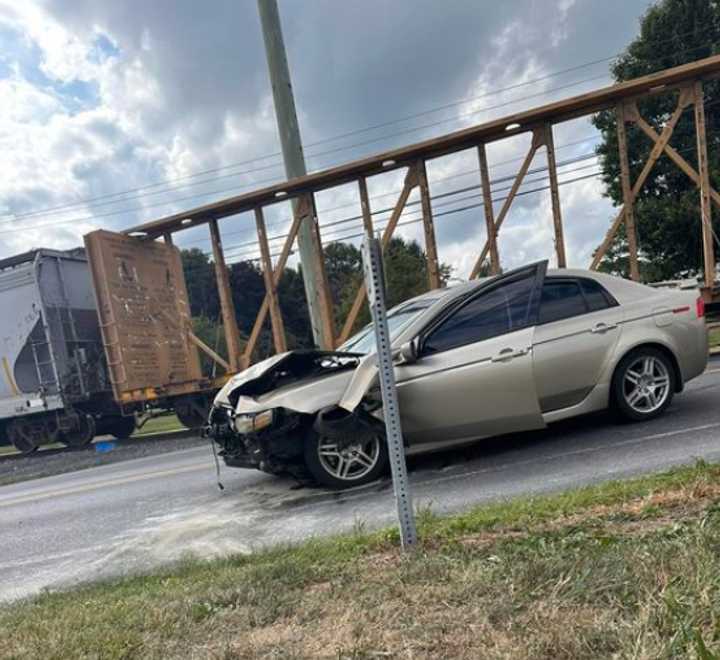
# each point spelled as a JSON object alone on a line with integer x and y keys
{"x": 596, "y": 296}
{"x": 561, "y": 299}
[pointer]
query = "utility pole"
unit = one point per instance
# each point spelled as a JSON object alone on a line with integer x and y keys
{"x": 309, "y": 247}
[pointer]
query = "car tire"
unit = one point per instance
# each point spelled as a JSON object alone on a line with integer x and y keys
{"x": 643, "y": 385}
{"x": 338, "y": 467}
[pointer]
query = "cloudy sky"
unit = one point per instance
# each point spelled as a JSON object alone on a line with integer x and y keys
{"x": 114, "y": 112}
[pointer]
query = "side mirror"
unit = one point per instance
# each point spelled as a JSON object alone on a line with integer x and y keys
{"x": 408, "y": 352}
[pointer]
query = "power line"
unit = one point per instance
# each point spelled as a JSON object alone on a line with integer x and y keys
{"x": 382, "y": 138}
{"x": 312, "y": 144}
{"x": 343, "y": 135}
{"x": 236, "y": 258}
{"x": 321, "y": 211}
{"x": 284, "y": 222}
{"x": 417, "y": 202}
{"x": 435, "y": 215}
{"x": 440, "y": 214}
{"x": 106, "y": 214}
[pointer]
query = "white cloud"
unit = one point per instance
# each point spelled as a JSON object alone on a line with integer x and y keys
{"x": 185, "y": 89}
{"x": 66, "y": 56}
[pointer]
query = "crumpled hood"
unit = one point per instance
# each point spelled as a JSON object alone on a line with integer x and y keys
{"x": 283, "y": 374}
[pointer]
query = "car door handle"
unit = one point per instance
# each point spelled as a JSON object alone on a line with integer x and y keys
{"x": 508, "y": 354}
{"x": 602, "y": 328}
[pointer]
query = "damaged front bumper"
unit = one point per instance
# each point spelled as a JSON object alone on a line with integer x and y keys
{"x": 261, "y": 417}
{"x": 270, "y": 440}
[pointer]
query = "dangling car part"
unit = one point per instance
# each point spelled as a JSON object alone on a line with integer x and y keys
{"x": 510, "y": 353}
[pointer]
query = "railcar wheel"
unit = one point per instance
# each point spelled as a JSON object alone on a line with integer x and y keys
{"x": 81, "y": 435}
{"x": 121, "y": 427}
{"x": 643, "y": 385}
{"x": 23, "y": 436}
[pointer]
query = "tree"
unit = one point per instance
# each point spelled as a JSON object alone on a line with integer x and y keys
{"x": 667, "y": 209}
{"x": 201, "y": 285}
{"x": 405, "y": 275}
{"x": 211, "y": 333}
{"x": 405, "y": 271}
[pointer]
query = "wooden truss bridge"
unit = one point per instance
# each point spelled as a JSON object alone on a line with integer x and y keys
{"x": 685, "y": 82}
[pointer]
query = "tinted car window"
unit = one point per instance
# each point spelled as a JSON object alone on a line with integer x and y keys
{"x": 502, "y": 309}
{"x": 561, "y": 299}
{"x": 595, "y": 296}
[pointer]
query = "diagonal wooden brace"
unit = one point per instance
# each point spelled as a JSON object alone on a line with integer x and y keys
{"x": 276, "y": 319}
{"x": 411, "y": 181}
{"x": 431, "y": 254}
{"x": 489, "y": 211}
{"x": 227, "y": 306}
{"x": 277, "y": 274}
{"x": 661, "y": 145}
{"x": 537, "y": 142}
{"x": 208, "y": 351}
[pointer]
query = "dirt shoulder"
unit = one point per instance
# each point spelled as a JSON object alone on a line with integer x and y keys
{"x": 625, "y": 569}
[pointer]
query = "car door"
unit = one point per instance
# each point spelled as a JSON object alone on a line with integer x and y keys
{"x": 473, "y": 376}
{"x": 579, "y": 325}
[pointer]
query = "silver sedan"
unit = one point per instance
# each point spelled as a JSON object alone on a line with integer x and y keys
{"x": 510, "y": 353}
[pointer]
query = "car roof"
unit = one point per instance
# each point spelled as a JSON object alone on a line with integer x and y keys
{"x": 621, "y": 289}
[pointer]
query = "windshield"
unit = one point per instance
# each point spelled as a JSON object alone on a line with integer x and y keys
{"x": 364, "y": 341}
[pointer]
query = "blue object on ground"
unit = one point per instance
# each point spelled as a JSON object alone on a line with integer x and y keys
{"x": 104, "y": 447}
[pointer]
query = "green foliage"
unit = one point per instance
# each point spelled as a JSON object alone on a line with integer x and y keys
{"x": 201, "y": 284}
{"x": 211, "y": 333}
{"x": 406, "y": 275}
{"x": 667, "y": 210}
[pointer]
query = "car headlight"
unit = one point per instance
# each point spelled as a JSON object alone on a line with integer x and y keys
{"x": 245, "y": 424}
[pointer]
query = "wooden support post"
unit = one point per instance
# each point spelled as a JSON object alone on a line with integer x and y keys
{"x": 555, "y": 197}
{"x": 277, "y": 274}
{"x": 360, "y": 296}
{"x": 276, "y": 320}
{"x": 322, "y": 289}
{"x": 431, "y": 256}
{"x": 489, "y": 212}
{"x": 365, "y": 206}
{"x": 232, "y": 334}
{"x": 411, "y": 180}
{"x": 661, "y": 142}
{"x": 704, "y": 171}
{"x": 537, "y": 141}
{"x": 628, "y": 201}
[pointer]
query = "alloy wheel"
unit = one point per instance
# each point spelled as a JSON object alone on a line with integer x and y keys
{"x": 349, "y": 462}
{"x": 646, "y": 384}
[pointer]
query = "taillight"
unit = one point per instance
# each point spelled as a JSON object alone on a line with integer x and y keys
{"x": 700, "y": 307}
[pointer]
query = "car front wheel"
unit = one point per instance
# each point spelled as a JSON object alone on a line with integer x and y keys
{"x": 644, "y": 384}
{"x": 339, "y": 464}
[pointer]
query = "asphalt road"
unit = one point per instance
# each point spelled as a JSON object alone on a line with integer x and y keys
{"x": 130, "y": 517}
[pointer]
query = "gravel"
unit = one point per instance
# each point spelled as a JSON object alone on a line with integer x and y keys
{"x": 14, "y": 468}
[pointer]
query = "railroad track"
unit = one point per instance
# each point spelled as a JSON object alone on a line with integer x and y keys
{"x": 51, "y": 450}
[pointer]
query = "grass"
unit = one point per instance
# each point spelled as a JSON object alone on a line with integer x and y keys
{"x": 625, "y": 569}
{"x": 162, "y": 424}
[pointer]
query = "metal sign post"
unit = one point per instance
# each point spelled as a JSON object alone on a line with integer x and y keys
{"x": 375, "y": 285}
